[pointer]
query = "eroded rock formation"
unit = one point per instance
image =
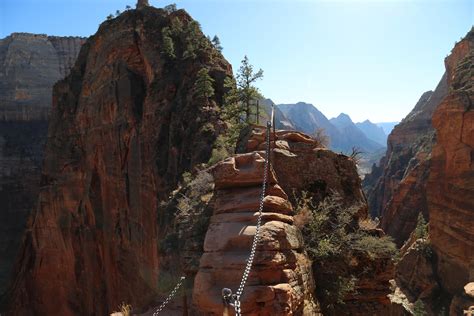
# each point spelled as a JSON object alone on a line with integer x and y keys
{"x": 281, "y": 281}
{"x": 29, "y": 66}
{"x": 451, "y": 181}
{"x": 396, "y": 190}
{"x": 436, "y": 271}
{"x": 121, "y": 129}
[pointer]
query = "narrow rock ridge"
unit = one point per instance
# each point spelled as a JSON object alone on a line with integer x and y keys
{"x": 280, "y": 282}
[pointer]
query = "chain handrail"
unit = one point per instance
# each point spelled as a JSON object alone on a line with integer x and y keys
{"x": 228, "y": 297}
{"x": 168, "y": 299}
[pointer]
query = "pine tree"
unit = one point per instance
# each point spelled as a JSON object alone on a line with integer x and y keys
{"x": 170, "y": 8}
{"x": 217, "y": 43}
{"x": 203, "y": 88}
{"x": 421, "y": 230}
{"x": 246, "y": 77}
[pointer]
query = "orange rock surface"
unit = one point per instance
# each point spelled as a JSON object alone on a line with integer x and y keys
{"x": 120, "y": 134}
{"x": 451, "y": 182}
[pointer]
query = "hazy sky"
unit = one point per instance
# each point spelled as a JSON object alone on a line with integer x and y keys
{"x": 369, "y": 59}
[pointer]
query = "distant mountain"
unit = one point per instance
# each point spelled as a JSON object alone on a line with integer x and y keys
{"x": 342, "y": 132}
{"x": 352, "y": 136}
{"x": 387, "y": 126}
{"x": 281, "y": 121}
{"x": 307, "y": 118}
{"x": 373, "y": 132}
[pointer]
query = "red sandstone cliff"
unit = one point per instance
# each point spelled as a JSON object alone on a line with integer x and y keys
{"x": 121, "y": 132}
{"x": 397, "y": 188}
{"x": 451, "y": 181}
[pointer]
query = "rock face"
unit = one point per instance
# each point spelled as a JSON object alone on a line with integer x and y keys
{"x": 29, "y": 66}
{"x": 298, "y": 164}
{"x": 396, "y": 189}
{"x": 119, "y": 137}
{"x": 281, "y": 281}
{"x": 451, "y": 181}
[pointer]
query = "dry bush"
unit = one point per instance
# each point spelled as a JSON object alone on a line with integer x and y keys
{"x": 321, "y": 137}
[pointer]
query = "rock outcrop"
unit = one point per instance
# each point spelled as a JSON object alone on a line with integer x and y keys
{"x": 299, "y": 164}
{"x": 281, "y": 281}
{"x": 438, "y": 181}
{"x": 396, "y": 189}
{"x": 29, "y": 66}
{"x": 121, "y": 129}
{"x": 450, "y": 187}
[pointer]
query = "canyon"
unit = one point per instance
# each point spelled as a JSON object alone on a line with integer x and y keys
{"x": 29, "y": 66}
{"x": 109, "y": 195}
{"x": 428, "y": 170}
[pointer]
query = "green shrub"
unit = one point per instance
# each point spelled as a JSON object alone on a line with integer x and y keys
{"x": 168, "y": 45}
{"x": 332, "y": 238}
{"x": 375, "y": 247}
{"x": 419, "y": 308}
{"x": 421, "y": 230}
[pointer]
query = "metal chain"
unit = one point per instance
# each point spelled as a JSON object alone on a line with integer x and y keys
{"x": 168, "y": 299}
{"x": 256, "y": 237}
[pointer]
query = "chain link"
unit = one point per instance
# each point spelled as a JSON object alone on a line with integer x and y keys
{"x": 256, "y": 237}
{"x": 170, "y": 297}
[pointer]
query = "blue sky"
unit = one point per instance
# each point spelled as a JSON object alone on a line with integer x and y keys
{"x": 369, "y": 59}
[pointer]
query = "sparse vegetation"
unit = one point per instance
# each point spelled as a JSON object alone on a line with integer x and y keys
{"x": 110, "y": 17}
{"x": 356, "y": 155}
{"x": 170, "y": 8}
{"x": 168, "y": 45}
{"x": 216, "y": 42}
{"x": 125, "y": 309}
{"x": 333, "y": 239}
{"x": 419, "y": 308}
{"x": 321, "y": 136}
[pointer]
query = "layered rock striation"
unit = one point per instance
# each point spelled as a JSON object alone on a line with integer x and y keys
{"x": 450, "y": 186}
{"x": 30, "y": 64}
{"x": 121, "y": 129}
{"x": 281, "y": 281}
{"x": 396, "y": 189}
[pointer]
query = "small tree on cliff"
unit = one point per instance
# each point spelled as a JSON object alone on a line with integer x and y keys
{"x": 203, "y": 88}
{"x": 170, "y": 8}
{"x": 246, "y": 78}
{"x": 217, "y": 43}
{"x": 421, "y": 230}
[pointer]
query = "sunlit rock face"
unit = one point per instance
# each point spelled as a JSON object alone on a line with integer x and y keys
{"x": 124, "y": 126}
{"x": 396, "y": 189}
{"x": 451, "y": 182}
